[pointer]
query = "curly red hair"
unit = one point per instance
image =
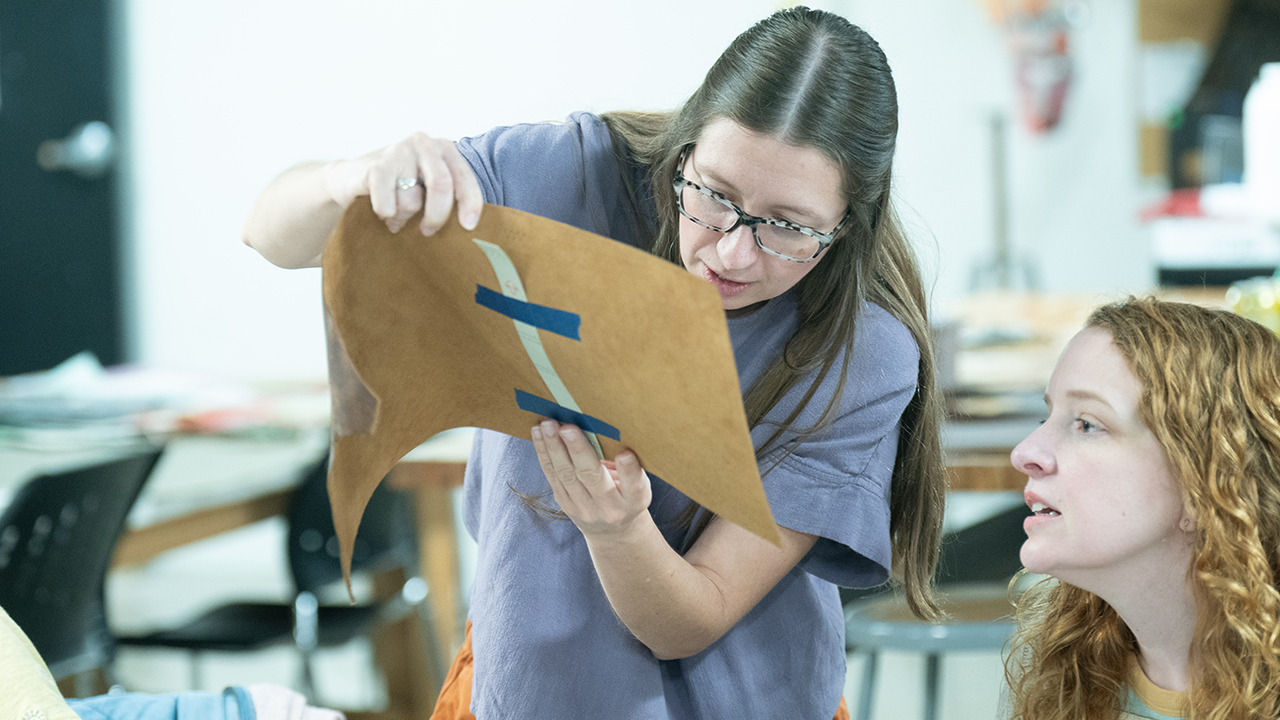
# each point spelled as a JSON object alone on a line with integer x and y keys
{"x": 1211, "y": 396}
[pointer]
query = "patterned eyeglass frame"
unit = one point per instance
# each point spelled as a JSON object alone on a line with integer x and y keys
{"x": 679, "y": 182}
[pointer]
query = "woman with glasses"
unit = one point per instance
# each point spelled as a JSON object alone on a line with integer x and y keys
{"x": 772, "y": 183}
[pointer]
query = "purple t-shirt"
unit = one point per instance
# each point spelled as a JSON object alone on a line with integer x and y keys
{"x": 547, "y": 643}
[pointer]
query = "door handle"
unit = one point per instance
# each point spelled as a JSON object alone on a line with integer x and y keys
{"x": 86, "y": 151}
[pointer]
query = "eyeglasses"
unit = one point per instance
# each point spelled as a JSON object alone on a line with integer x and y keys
{"x": 779, "y": 238}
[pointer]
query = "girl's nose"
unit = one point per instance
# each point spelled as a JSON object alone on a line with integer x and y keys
{"x": 737, "y": 248}
{"x": 1032, "y": 456}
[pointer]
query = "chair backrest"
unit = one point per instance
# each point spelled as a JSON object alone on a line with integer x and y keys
{"x": 57, "y": 536}
{"x": 386, "y": 537}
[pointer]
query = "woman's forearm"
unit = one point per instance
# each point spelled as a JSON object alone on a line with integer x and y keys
{"x": 671, "y": 606}
{"x": 677, "y": 605}
{"x": 292, "y": 218}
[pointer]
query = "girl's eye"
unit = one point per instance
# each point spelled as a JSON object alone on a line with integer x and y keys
{"x": 1085, "y": 425}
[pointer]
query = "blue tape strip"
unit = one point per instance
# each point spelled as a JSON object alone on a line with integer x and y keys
{"x": 539, "y": 316}
{"x": 562, "y": 414}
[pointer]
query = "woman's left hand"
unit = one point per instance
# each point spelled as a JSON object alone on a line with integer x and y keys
{"x": 602, "y": 497}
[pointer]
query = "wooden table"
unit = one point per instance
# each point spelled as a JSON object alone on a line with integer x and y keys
{"x": 433, "y": 472}
{"x": 984, "y": 471}
{"x": 977, "y": 453}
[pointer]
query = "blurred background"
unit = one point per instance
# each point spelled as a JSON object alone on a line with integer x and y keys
{"x": 1047, "y": 140}
{"x": 1051, "y": 154}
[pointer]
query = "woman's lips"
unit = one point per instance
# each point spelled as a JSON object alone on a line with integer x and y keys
{"x": 727, "y": 288}
{"x": 1034, "y": 521}
{"x": 1041, "y": 512}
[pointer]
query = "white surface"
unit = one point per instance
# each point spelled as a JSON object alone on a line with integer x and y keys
{"x": 18, "y": 465}
{"x": 198, "y": 472}
{"x": 1261, "y": 126}
{"x": 449, "y": 446}
{"x": 1170, "y": 73}
{"x": 1193, "y": 242}
{"x": 194, "y": 472}
{"x": 985, "y": 434}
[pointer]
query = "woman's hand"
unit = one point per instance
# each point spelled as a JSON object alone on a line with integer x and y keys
{"x": 601, "y": 497}
{"x": 401, "y": 178}
{"x": 292, "y": 218}
{"x": 676, "y": 605}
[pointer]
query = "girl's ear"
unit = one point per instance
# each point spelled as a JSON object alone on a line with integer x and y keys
{"x": 1187, "y": 523}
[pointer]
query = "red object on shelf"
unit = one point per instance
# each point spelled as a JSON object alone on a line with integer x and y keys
{"x": 1184, "y": 202}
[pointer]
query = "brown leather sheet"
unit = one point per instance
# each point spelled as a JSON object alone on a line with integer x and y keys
{"x": 413, "y": 353}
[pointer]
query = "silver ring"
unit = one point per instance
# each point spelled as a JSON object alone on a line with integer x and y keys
{"x": 408, "y": 183}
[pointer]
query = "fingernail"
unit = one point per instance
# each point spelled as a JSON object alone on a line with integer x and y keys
{"x": 548, "y": 428}
{"x": 627, "y": 458}
{"x": 429, "y": 230}
{"x": 469, "y": 220}
{"x": 537, "y": 432}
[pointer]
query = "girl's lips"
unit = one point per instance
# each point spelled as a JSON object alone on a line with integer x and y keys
{"x": 1042, "y": 512}
{"x": 1034, "y": 521}
{"x": 726, "y": 288}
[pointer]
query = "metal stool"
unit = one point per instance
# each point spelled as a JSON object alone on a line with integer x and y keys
{"x": 980, "y": 621}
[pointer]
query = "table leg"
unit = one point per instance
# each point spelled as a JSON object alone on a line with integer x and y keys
{"x": 432, "y": 485}
{"x": 408, "y": 660}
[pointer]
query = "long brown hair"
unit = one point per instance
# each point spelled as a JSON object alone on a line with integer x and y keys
{"x": 811, "y": 78}
{"x": 1211, "y": 397}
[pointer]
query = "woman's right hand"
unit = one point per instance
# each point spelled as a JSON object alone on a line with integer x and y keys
{"x": 292, "y": 218}
{"x": 401, "y": 179}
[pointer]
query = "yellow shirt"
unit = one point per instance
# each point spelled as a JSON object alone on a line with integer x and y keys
{"x": 29, "y": 690}
{"x": 1148, "y": 701}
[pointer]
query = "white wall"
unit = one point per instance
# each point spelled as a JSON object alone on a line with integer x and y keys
{"x": 1073, "y": 192}
{"x": 225, "y": 95}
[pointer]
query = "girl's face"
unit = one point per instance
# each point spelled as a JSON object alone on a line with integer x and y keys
{"x": 767, "y": 178}
{"x": 1107, "y": 506}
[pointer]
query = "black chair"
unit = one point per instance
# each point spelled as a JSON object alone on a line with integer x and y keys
{"x": 386, "y": 540}
{"x": 57, "y": 536}
{"x": 975, "y": 567}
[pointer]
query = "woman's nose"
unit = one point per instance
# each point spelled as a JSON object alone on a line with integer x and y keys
{"x": 737, "y": 248}
{"x": 1032, "y": 456}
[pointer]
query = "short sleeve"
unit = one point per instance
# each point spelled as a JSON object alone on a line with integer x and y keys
{"x": 836, "y": 484}
{"x": 567, "y": 172}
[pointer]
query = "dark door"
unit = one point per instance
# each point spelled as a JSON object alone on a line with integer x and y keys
{"x": 59, "y": 251}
